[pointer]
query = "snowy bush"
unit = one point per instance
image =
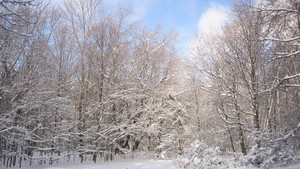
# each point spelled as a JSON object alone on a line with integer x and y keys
{"x": 200, "y": 156}
{"x": 274, "y": 151}
{"x": 241, "y": 160}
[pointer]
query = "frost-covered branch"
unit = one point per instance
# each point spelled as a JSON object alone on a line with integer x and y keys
{"x": 286, "y": 55}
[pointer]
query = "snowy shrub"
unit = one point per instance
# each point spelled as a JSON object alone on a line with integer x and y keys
{"x": 200, "y": 156}
{"x": 274, "y": 151}
{"x": 241, "y": 160}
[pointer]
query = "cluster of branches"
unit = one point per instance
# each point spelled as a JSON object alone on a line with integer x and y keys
{"x": 82, "y": 80}
{"x": 86, "y": 81}
{"x": 249, "y": 71}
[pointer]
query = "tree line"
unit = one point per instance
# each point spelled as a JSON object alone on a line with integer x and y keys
{"x": 87, "y": 81}
{"x": 249, "y": 72}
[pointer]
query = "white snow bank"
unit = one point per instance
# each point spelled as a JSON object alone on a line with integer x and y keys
{"x": 125, "y": 164}
{"x": 129, "y": 164}
{"x": 144, "y": 162}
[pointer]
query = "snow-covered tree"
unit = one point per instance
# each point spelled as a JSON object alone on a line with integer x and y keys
{"x": 250, "y": 83}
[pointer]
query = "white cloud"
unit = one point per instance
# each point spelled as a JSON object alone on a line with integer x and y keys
{"x": 209, "y": 24}
{"x": 212, "y": 18}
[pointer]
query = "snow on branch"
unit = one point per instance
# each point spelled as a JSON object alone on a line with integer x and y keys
{"x": 285, "y": 55}
{"x": 290, "y": 77}
{"x": 292, "y": 85}
{"x": 21, "y": 2}
{"x": 281, "y": 40}
{"x": 289, "y": 134}
{"x": 281, "y": 82}
{"x": 277, "y": 9}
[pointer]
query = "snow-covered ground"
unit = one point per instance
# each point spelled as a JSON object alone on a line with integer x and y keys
{"x": 127, "y": 164}
{"x": 124, "y": 164}
{"x": 141, "y": 160}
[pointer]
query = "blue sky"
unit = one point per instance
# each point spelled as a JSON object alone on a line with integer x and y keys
{"x": 186, "y": 16}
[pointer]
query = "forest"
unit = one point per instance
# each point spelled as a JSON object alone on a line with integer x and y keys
{"x": 82, "y": 80}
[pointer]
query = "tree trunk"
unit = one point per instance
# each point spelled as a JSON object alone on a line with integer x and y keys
{"x": 231, "y": 140}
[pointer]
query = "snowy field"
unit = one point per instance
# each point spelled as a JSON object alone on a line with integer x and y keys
{"x": 123, "y": 164}
{"x": 138, "y": 160}
{"x": 128, "y": 164}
